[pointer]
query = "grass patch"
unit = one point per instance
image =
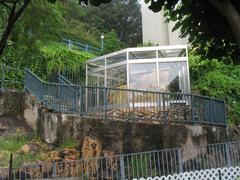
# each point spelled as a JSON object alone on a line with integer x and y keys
{"x": 68, "y": 143}
{"x": 13, "y": 142}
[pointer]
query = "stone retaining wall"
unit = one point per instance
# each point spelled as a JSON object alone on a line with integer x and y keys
{"x": 117, "y": 136}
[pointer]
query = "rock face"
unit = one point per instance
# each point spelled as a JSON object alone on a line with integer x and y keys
{"x": 18, "y": 111}
{"x": 127, "y": 137}
{"x": 91, "y": 147}
{"x": 31, "y": 147}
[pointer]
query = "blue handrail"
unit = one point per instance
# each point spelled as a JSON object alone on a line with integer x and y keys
{"x": 126, "y": 104}
{"x": 84, "y": 47}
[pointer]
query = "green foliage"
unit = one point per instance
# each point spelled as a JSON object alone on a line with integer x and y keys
{"x": 146, "y": 44}
{"x": 207, "y": 25}
{"x": 75, "y": 28}
{"x": 111, "y": 43}
{"x": 60, "y": 58}
{"x": 216, "y": 79}
{"x": 45, "y": 60}
{"x": 12, "y": 144}
{"x": 124, "y": 17}
{"x": 35, "y": 24}
{"x": 68, "y": 143}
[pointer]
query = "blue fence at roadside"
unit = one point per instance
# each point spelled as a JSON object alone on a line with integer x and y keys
{"x": 81, "y": 46}
{"x": 135, "y": 165}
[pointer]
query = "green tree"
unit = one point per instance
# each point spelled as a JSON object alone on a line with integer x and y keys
{"x": 124, "y": 17}
{"x": 14, "y": 9}
{"x": 216, "y": 79}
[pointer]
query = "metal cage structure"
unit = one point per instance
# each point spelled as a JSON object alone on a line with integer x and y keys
{"x": 159, "y": 68}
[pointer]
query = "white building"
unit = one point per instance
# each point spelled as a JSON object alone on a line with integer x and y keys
{"x": 157, "y": 31}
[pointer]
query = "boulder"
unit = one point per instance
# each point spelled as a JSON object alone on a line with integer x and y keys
{"x": 31, "y": 147}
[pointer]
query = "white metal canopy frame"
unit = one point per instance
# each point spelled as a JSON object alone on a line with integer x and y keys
{"x": 158, "y": 68}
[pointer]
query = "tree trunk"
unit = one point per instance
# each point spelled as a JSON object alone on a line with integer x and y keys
{"x": 7, "y": 30}
{"x": 5, "y": 36}
{"x": 13, "y": 17}
{"x": 231, "y": 14}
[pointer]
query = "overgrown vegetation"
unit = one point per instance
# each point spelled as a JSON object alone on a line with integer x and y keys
{"x": 216, "y": 79}
{"x": 46, "y": 59}
{"x": 14, "y": 143}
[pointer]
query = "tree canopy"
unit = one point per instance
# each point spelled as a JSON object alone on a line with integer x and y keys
{"x": 213, "y": 26}
{"x": 125, "y": 19}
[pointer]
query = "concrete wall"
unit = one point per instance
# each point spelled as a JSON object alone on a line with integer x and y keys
{"x": 120, "y": 136}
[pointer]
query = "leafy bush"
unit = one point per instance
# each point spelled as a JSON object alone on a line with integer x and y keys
{"x": 216, "y": 79}
{"x": 112, "y": 43}
{"x": 45, "y": 60}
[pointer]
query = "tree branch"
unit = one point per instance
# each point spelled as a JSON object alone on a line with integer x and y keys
{"x": 6, "y": 5}
{"x": 7, "y": 1}
{"x": 227, "y": 9}
{"x": 12, "y": 18}
{"x": 21, "y": 9}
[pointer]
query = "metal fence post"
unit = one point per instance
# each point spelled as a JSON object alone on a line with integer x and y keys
{"x": 69, "y": 43}
{"x": 105, "y": 103}
{"x": 227, "y": 147}
{"x": 122, "y": 168}
{"x": 54, "y": 170}
{"x": 211, "y": 110}
{"x": 86, "y": 48}
{"x": 10, "y": 167}
{"x": 133, "y": 105}
{"x": 192, "y": 107}
{"x": 81, "y": 100}
{"x": 41, "y": 91}
{"x": 59, "y": 97}
{"x": 180, "y": 162}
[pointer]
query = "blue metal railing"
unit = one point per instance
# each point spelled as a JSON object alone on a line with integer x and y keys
{"x": 56, "y": 96}
{"x": 63, "y": 80}
{"x": 125, "y": 104}
{"x": 84, "y": 47}
{"x": 138, "y": 165}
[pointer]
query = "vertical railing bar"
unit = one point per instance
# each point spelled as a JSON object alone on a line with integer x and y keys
{"x": 116, "y": 159}
{"x": 106, "y": 164}
{"x": 155, "y": 168}
{"x": 146, "y": 165}
{"x": 132, "y": 166}
{"x": 142, "y": 173}
{"x": 159, "y": 168}
{"x": 163, "y": 162}
{"x": 180, "y": 162}
{"x": 137, "y": 165}
{"x": 228, "y": 155}
{"x": 129, "y": 175}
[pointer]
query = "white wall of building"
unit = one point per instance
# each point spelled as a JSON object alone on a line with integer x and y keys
{"x": 157, "y": 31}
